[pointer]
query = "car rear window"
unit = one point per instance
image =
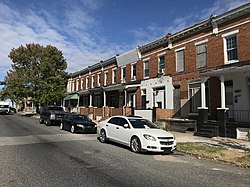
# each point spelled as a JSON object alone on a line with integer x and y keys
{"x": 142, "y": 124}
{"x": 56, "y": 108}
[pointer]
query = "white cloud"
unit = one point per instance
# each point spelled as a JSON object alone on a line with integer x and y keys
{"x": 71, "y": 31}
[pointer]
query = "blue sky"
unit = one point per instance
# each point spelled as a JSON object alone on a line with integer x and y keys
{"x": 87, "y": 31}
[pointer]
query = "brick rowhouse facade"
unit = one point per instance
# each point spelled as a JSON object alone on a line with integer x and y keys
{"x": 185, "y": 86}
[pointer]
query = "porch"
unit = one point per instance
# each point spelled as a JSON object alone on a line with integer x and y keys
{"x": 234, "y": 110}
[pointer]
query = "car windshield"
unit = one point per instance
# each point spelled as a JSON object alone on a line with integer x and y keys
{"x": 56, "y": 108}
{"x": 81, "y": 118}
{"x": 142, "y": 124}
{"x": 4, "y": 106}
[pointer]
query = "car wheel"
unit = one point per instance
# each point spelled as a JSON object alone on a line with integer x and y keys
{"x": 47, "y": 122}
{"x": 61, "y": 126}
{"x": 135, "y": 145}
{"x": 41, "y": 121}
{"x": 72, "y": 129}
{"x": 103, "y": 137}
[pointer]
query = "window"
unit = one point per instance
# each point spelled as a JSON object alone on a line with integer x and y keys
{"x": 161, "y": 63}
{"x": 106, "y": 79}
{"x": 93, "y": 82}
{"x": 99, "y": 79}
{"x": 114, "y": 76}
{"x": 87, "y": 82}
{"x": 180, "y": 60}
{"x": 146, "y": 69}
{"x": 114, "y": 120}
{"x": 230, "y": 47}
{"x": 77, "y": 84}
{"x": 133, "y": 71}
{"x": 81, "y": 83}
{"x": 123, "y": 73}
{"x": 201, "y": 55}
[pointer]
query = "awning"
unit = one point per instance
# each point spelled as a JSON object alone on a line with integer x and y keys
{"x": 73, "y": 96}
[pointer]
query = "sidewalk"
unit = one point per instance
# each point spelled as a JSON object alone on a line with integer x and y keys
{"x": 229, "y": 143}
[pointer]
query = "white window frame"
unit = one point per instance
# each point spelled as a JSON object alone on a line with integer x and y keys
{"x": 159, "y": 56}
{"x": 105, "y": 78}
{"x": 114, "y": 75}
{"x": 123, "y": 78}
{"x": 144, "y": 68}
{"x": 87, "y": 83}
{"x": 93, "y": 81}
{"x": 99, "y": 79}
{"x": 133, "y": 77}
{"x": 176, "y": 52}
{"x": 225, "y": 37}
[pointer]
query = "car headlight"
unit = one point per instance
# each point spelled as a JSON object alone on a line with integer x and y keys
{"x": 149, "y": 137}
{"x": 79, "y": 125}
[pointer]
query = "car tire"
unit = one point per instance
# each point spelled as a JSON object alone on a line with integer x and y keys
{"x": 61, "y": 126}
{"x": 47, "y": 122}
{"x": 72, "y": 129}
{"x": 41, "y": 121}
{"x": 135, "y": 145}
{"x": 103, "y": 136}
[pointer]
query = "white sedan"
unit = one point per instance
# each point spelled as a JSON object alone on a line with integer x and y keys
{"x": 137, "y": 133}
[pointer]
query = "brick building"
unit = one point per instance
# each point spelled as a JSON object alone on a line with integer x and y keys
{"x": 201, "y": 71}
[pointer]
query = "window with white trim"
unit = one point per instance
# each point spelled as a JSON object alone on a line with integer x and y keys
{"x": 133, "y": 70}
{"x": 123, "y": 73}
{"x": 99, "y": 79}
{"x": 146, "y": 69}
{"x": 161, "y": 60}
{"x": 231, "y": 47}
{"x": 201, "y": 52}
{"x": 106, "y": 78}
{"x": 114, "y": 76}
{"x": 93, "y": 82}
{"x": 87, "y": 82}
{"x": 180, "y": 60}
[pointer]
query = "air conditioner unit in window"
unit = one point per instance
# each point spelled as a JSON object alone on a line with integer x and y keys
{"x": 133, "y": 78}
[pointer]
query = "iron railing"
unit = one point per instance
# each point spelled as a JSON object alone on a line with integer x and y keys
{"x": 239, "y": 115}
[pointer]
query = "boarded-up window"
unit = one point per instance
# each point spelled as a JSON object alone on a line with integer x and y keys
{"x": 180, "y": 60}
{"x": 201, "y": 55}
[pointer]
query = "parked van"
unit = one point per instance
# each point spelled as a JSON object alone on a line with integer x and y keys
{"x": 4, "y": 107}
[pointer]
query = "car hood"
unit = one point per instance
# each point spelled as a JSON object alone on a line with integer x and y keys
{"x": 154, "y": 132}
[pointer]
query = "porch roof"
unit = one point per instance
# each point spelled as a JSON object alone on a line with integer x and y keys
{"x": 238, "y": 67}
{"x": 72, "y": 96}
{"x": 114, "y": 87}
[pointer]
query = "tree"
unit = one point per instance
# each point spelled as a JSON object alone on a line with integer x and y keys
{"x": 37, "y": 72}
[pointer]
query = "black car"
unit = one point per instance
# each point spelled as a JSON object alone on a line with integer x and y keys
{"x": 78, "y": 123}
{"x": 51, "y": 114}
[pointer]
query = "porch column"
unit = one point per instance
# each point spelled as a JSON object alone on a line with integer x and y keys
{"x": 203, "y": 110}
{"x": 222, "y": 90}
{"x": 125, "y": 97}
{"x": 104, "y": 98}
{"x": 223, "y": 111}
{"x": 90, "y": 100}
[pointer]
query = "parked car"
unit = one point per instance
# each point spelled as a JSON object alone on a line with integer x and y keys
{"x": 78, "y": 123}
{"x": 51, "y": 114}
{"x": 4, "y": 107}
{"x": 138, "y": 133}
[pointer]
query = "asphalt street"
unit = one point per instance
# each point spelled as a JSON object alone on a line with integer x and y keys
{"x": 32, "y": 154}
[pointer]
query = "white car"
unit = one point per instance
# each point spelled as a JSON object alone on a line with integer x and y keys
{"x": 137, "y": 133}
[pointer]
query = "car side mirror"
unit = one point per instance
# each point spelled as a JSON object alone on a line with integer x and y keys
{"x": 126, "y": 126}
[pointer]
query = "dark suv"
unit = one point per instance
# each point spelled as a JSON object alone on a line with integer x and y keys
{"x": 51, "y": 114}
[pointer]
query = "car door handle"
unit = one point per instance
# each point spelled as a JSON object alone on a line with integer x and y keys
{"x": 117, "y": 127}
{"x": 107, "y": 125}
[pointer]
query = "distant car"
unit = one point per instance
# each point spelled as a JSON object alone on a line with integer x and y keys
{"x": 4, "y": 107}
{"x": 137, "y": 133}
{"x": 78, "y": 123}
{"x": 51, "y": 114}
